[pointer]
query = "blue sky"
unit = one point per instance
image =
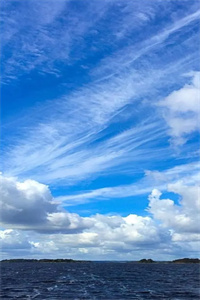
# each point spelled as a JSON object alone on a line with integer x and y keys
{"x": 99, "y": 128}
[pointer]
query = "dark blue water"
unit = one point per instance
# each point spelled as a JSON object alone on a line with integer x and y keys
{"x": 99, "y": 281}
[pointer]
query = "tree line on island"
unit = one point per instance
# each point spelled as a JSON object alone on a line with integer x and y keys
{"x": 60, "y": 260}
{"x": 181, "y": 260}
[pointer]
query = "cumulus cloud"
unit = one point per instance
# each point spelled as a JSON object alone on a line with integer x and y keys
{"x": 29, "y": 205}
{"x": 182, "y": 218}
{"x": 131, "y": 230}
{"x": 182, "y": 110}
{"x": 114, "y": 235}
{"x": 11, "y": 240}
{"x": 25, "y": 202}
{"x": 68, "y": 222}
{"x": 29, "y": 209}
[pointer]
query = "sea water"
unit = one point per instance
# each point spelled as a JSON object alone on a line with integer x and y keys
{"x": 99, "y": 280}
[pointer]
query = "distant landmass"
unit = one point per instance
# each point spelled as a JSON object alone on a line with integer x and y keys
{"x": 142, "y": 261}
{"x": 187, "y": 260}
{"x": 176, "y": 261}
{"x": 146, "y": 261}
{"x": 59, "y": 260}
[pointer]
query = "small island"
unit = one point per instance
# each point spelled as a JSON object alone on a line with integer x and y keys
{"x": 176, "y": 261}
{"x": 186, "y": 261}
{"x": 146, "y": 261}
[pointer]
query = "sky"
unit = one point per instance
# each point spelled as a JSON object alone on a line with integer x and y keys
{"x": 100, "y": 129}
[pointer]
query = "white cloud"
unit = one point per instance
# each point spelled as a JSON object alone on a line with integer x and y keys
{"x": 72, "y": 156}
{"x": 109, "y": 234}
{"x": 12, "y": 240}
{"x": 49, "y": 39}
{"x": 118, "y": 62}
{"x": 182, "y": 110}
{"x": 188, "y": 174}
{"x": 29, "y": 205}
{"x": 69, "y": 151}
{"x": 71, "y": 139}
{"x": 61, "y": 234}
{"x": 182, "y": 218}
{"x": 24, "y": 202}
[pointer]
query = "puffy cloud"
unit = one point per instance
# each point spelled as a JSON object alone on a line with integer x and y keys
{"x": 110, "y": 234}
{"x": 169, "y": 229}
{"x": 182, "y": 218}
{"x": 29, "y": 205}
{"x": 131, "y": 230}
{"x": 68, "y": 222}
{"x": 190, "y": 196}
{"x": 182, "y": 110}
{"x": 25, "y": 202}
{"x": 30, "y": 209}
{"x": 13, "y": 240}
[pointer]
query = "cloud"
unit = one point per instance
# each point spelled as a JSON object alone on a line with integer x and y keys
{"x": 12, "y": 240}
{"x": 106, "y": 123}
{"x": 96, "y": 236}
{"x": 75, "y": 131}
{"x": 29, "y": 205}
{"x": 182, "y": 218}
{"x": 182, "y": 110}
{"x": 115, "y": 64}
{"x": 188, "y": 174}
{"x": 109, "y": 234}
{"x": 24, "y": 202}
{"x": 74, "y": 156}
{"x": 49, "y": 33}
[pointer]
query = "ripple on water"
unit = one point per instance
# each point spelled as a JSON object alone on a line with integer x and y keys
{"x": 99, "y": 281}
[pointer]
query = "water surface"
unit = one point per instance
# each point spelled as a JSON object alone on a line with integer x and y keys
{"x": 96, "y": 280}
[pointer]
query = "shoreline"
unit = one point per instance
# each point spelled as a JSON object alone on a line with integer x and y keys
{"x": 142, "y": 261}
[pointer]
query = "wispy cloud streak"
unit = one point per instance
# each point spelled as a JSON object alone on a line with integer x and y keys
{"x": 187, "y": 175}
{"x": 72, "y": 138}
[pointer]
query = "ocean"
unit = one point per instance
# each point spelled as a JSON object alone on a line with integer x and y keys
{"x": 99, "y": 280}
